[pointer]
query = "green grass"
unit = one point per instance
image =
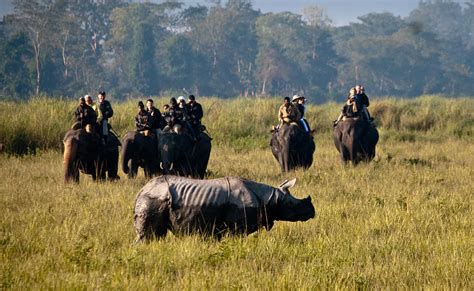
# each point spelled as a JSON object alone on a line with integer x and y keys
{"x": 403, "y": 221}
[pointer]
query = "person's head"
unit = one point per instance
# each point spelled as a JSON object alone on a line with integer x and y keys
{"x": 358, "y": 89}
{"x": 181, "y": 101}
{"x": 166, "y": 107}
{"x": 286, "y": 100}
{"x": 101, "y": 96}
{"x": 149, "y": 104}
{"x": 192, "y": 99}
{"x": 88, "y": 99}
{"x": 295, "y": 98}
{"x": 301, "y": 100}
{"x": 352, "y": 92}
{"x": 82, "y": 101}
{"x": 173, "y": 101}
{"x": 140, "y": 105}
{"x": 362, "y": 89}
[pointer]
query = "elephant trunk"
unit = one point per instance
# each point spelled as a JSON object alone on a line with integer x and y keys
{"x": 70, "y": 156}
{"x": 126, "y": 156}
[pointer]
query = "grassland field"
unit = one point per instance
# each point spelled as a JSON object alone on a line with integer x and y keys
{"x": 403, "y": 221}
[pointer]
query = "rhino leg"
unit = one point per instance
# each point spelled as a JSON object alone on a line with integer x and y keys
{"x": 151, "y": 218}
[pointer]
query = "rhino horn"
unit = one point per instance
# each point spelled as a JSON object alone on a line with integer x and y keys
{"x": 288, "y": 184}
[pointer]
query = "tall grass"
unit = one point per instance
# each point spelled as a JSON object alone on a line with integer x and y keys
{"x": 403, "y": 221}
{"x": 40, "y": 123}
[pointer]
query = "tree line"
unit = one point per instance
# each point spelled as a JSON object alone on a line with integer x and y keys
{"x": 228, "y": 48}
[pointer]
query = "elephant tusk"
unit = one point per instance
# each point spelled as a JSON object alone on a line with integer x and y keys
{"x": 171, "y": 167}
{"x": 161, "y": 165}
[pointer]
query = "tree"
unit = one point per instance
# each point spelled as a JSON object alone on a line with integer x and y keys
{"x": 15, "y": 79}
{"x": 36, "y": 18}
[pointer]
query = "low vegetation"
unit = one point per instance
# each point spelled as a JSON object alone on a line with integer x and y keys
{"x": 403, "y": 221}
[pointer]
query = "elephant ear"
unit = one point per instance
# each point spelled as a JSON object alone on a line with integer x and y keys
{"x": 287, "y": 184}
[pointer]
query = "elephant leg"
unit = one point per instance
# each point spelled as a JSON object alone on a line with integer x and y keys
{"x": 112, "y": 165}
{"x": 133, "y": 165}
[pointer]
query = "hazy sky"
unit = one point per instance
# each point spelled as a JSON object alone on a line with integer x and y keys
{"x": 340, "y": 11}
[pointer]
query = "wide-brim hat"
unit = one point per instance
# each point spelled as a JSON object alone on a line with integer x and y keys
{"x": 297, "y": 97}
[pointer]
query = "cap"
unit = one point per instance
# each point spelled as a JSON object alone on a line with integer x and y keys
{"x": 295, "y": 97}
{"x": 181, "y": 98}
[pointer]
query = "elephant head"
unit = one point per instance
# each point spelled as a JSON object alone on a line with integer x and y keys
{"x": 139, "y": 150}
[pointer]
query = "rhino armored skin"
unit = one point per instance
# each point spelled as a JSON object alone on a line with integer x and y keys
{"x": 213, "y": 207}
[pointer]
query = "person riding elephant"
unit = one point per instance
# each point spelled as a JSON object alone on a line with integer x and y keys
{"x": 351, "y": 108}
{"x": 299, "y": 103}
{"x": 195, "y": 113}
{"x": 173, "y": 116}
{"x": 85, "y": 115}
{"x": 142, "y": 118}
{"x": 287, "y": 113}
{"x": 156, "y": 120}
{"x": 105, "y": 112}
{"x": 186, "y": 117}
{"x": 363, "y": 99}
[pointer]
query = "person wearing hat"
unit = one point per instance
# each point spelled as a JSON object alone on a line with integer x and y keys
{"x": 84, "y": 114}
{"x": 142, "y": 118}
{"x": 195, "y": 113}
{"x": 156, "y": 120}
{"x": 299, "y": 102}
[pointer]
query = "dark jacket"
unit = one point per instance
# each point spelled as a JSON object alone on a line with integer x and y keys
{"x": 85, "y": 114}
{"x": 142, "y": 120}
{"x": 105, "y": 109}
{"x": 301, "y": 109}
{"x": 155, "y": 118}
{"x": 173, "y": 116}
{"x": 195, "y": 113}
{"x": 363, "y": 99}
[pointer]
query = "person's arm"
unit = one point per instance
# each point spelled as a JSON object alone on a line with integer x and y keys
{"x": 199, "y": 112}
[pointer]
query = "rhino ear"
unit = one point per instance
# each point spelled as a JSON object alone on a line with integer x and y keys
{"x": 288, "y": 184}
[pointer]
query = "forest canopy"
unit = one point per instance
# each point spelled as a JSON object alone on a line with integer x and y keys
{"x": 228, "y": 48}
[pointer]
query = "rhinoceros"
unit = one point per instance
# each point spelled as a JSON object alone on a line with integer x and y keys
{"x": 214, "y": 207}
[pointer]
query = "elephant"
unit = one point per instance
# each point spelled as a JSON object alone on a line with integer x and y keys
{"x": 181, "y": 155}
{"x": 83, "y": 152}
{"x": 214, "y": 207}
{"x": 355, "y": 140}
{"x": 292, "y": 147}
{"x": 140, "y": 150}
